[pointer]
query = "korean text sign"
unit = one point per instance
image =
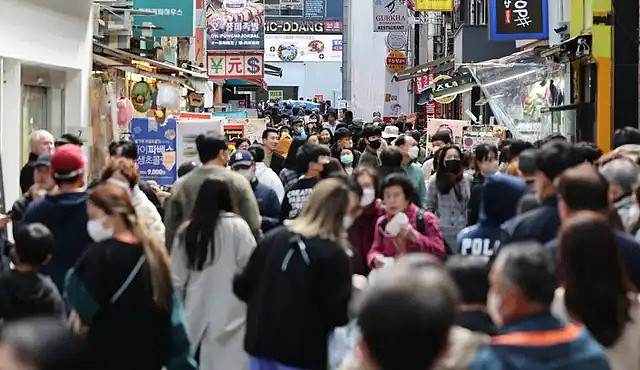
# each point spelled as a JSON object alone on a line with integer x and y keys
{"x": 156, "y": 149}
{"x": 518, "y": 19}
{"x": 176, "y": 17}
{"x": 235, "y": 25}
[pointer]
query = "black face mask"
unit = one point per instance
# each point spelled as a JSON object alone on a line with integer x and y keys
{"x": 375, "y": 144}
{"x": 453, "y": 166}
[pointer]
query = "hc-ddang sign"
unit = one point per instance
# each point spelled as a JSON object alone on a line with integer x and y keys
{"x": 518, "y": 19}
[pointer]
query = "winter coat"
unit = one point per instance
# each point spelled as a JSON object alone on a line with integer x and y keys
{"x": 428, "y": 242}
{"x": 266, "y": 176}
{"x": 540, "y": 224}
{"x": 28, "y": 294}
{"x": 215, "y": 318}
{"x": 451, "y": 211}
{"x": 361, "y": 235}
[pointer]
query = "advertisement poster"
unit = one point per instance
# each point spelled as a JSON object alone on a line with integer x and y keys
{"x": 187, "y": 132}
{"x": 518, "y": 19}
{"x": 390, "y": 16}
{"x": 235, "y": 65}
{"x": 434, "y": 5}
{"x": 236, "y": 25}
{"x": 303, "y": 48}
{"x": 156, "y": 149}
{"x": 254, "y": 128}
{"x": 175, "y": 18}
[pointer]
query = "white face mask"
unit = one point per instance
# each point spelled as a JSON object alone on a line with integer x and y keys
{"x": 347, "y": 221}
{"x": 97, "y": 231}
{"x": 494, "y": 302}
{"x": 368, "y": 196}
{"x": 413, "y": 152}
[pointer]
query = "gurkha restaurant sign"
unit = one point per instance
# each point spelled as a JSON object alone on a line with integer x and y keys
{"x": 518, "y": 19}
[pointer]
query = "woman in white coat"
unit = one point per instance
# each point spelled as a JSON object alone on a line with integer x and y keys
{"x": 207, "y": 251}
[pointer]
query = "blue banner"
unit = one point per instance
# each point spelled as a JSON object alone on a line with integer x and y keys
{"x": 518, "y": 19}
{"x": 156, "y": 149}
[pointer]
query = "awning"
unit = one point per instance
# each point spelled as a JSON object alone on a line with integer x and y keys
{"x": 258, "y": 82}
{"x": 435, "y": 67}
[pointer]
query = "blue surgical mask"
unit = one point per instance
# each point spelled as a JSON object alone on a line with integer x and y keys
{"x": 346, "y": 159}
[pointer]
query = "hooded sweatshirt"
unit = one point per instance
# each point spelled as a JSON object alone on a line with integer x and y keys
{"x": 65, "y": 214}
{"x": 500, "y": 196}
{"x": 26, "y": 294}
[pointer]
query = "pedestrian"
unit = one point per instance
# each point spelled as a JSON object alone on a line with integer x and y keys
{"x": 471, "y": 275}
{"x": 486, "y": 165}
{"x": 500, "y": 197}
{"x": 595, "y": 293}
{"x": 331, "y": 121}
{"x": 409, "y": 147}
{"x": 438, "y": 140}
{"x": 449, "y": 192}
{"x": 242, "y": 143}
{"x": 298, "y": 129}
{"x": 314, "y": 123}
{"x": 209, "y": 248}
{"x": 123, "y": 172}
{"x": 185, "y": 168}
{"x": 41, "y": 142}
{"x": 391, "y": 162}
{"x": 24, "y": 292}
{"x": 626, "y": 135}
{"x": 326, "y": 137}
{"x": 264, "y": 174}
{"x": 120, "y": 291}
{"x": 622, "y": 175}
{"x": 313, "y": 138}
{"x": 344, "y": 140}
{"x": 373, "y": 139}
{"x": 346, "y": 159}
{"x": 43, "y": 184}
{"x": 404, "y": 228}
{"x": 527, "y": 168}
{"x": 522, "y": 283}
{"x": 583, "y": 189}
{"x": 361, "y": 233}
{"x": 284, "y": 131}
{"x": 242, "y": 162}
{"x": 289, "y": 175}
{"x": 272, "y": 159}
{"x": 68, "y": 139}
{"x": 390, "y": 133}
{"x": 310, "y": 160}
{"x": 214, "y": 155}
{"x": 64, "y": 212}
{"x": 297, "y": 283}
{"x": 542, "y": 223}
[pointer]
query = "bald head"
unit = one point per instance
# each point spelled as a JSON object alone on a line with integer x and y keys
{"x": 41, "y": 142}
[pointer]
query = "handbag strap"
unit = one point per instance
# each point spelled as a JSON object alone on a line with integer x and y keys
{"x": 129, "y": 279}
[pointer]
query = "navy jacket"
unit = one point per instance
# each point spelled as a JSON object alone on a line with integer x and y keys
{"x": 629, "y": 252}
{"x": 66, "y": 216}
{"x": 500, "y": 197}
{"x": 542, "y": 342}
{"x": 540, "y": 224}
{"x": 268, "y": 204}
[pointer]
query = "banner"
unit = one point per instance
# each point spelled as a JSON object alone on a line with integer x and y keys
{"x": 187, "y": 132}
{"x": 235, "y": 25}
{"x": 156, "y": 149}
{"x": 235, "y": 65}
{"x": 434, "y": 5}
{"x": 176, "y": 17}
{"x": 390, "y": 16}
{"x": 303, "y": 48}
{"x": 518, "y": 19}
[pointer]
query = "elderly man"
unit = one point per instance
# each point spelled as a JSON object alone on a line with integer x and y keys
{"x": 41, "y": 143}
{"x": 622, "y": 175}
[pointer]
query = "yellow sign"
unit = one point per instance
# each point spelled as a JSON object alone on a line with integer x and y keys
{"x": 434, "y": 5}
{"x": 396, "y": 61}
{"x": 441, "y": 87}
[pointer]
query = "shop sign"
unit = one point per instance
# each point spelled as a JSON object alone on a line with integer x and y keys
{"x": 176, "y": 17}
{"x": 302, "y": 27}
{"x": 444, "y": 82}
{"x": 518, "y": 19}
{"x": 396, "y": 61}
{"x": 434, "y": 5}
{"x": 235, "y": 25}
{"x": 235, "y": 65}
{"x": 396, "y": 40}
{"x": 390, "y": 16}
{"x": 156, "y": 149}
{"x": 423, "y": 82}
{"x": 276, "y": 94}
{"x": 303, "y": 48}
{"x": 233, "y": 131}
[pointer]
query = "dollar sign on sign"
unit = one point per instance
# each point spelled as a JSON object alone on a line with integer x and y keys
{"x": 253, "y": 65}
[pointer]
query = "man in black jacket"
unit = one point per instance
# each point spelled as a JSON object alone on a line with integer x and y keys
{"x": 272, "y": 159}
{"x": 41, "y": 143}
{"x": 43, "y": 183}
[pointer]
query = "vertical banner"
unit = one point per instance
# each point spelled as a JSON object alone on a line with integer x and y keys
{"x": 518, "y": 19}
{"x": 390, "y": 16}
{"x": 156, "y": 149}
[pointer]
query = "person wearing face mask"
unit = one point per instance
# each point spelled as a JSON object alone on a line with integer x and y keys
{"x": 522, "y": 284}
{"x": 298, "y": 129}
{"x": 372, "y": 137}
{"x": 313, "y": 123}
{"x": 344, "y": 140}
{"x": 410, "y": 151}
{"x": 120, "y": 291}
{"x": 486, "y": 165}
{"x": 346, "y": 159}
{"x": 242, "y": 162}
{"x": 449, "y": 192}
{"x": 363, "y": 229}
{"x": 438, "y": 140}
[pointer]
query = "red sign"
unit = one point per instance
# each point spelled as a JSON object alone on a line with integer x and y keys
{"x": 235, "y": 65}
{"x": 423, "y": 82}
{"x": 396, "y": 61}
{"x": 319, "y": 97}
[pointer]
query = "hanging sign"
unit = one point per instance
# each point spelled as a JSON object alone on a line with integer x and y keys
{"x": 396, "y": 40}
{"x": 396, "y": 61}
{"x": 390, "y": 16}
{"x": 235, "y": 65}
{"x": 434, "y": 5}
{"x": 518, "y": 19}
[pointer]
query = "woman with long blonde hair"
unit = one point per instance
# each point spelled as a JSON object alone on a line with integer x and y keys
{"x": 121, "y": 290}
{"x": 297, "y": 283}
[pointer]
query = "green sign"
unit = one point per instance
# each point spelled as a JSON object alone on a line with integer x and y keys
{"x": 276, "y": 94}
{"x": 176, "y": 17}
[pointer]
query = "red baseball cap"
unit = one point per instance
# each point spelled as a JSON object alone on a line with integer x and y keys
{"x": 67, "y": 162}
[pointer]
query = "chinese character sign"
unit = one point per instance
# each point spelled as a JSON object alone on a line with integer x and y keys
{"x": 518, "y": 19}
{"x": 175, "y": 18}
{"x": 235, "y": 25}
{"x": 156, "y": 149}
{"x": 390, "y": 16}
{"x": 235, "y": 65}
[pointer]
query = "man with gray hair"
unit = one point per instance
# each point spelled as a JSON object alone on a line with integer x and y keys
{"x": 41, "y": 142}
{"x": 622, "y": 175}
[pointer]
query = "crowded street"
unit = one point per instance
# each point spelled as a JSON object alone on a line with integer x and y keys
{"x": 319, "y": 185}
